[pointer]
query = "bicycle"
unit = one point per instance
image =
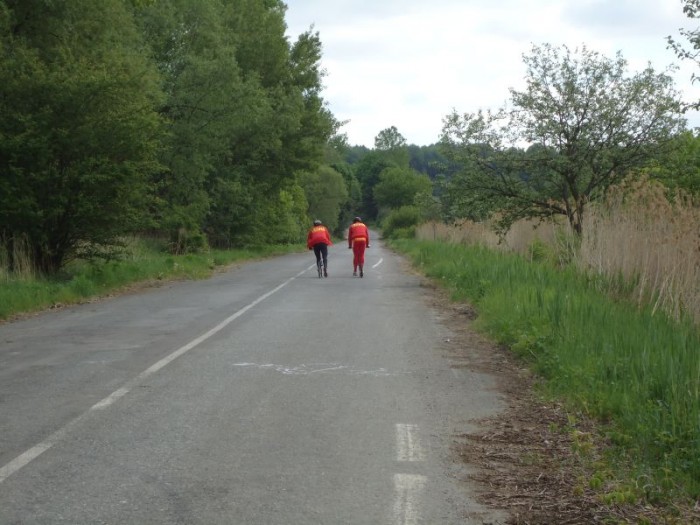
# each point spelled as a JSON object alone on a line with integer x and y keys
{"x": 319, "y": 267}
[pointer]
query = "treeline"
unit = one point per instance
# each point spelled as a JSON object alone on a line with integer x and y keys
{"x": 199, "y": 122}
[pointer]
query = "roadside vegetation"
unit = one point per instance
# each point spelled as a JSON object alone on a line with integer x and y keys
{"x": 142, "y": 264}
{"x": 633, "y": 369}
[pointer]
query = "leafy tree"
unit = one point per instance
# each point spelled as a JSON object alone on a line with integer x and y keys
{"x": 691, "y": 8}
{"x": 367, "y": 172}
{"x": 326, "y": 194}
{"x": 205, "y": 99}
{"x": 353, "y": 203}
{"x": 393, "y": 146}
{"x": 588, "y": 125}
{"x": 78, "y": 127}
{"x": 680, "y": 167}
{"x": 398, "y": 187}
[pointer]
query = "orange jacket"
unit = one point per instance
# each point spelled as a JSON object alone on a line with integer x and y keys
{"x": 358, "y": 232}
{"x": 318, "y": 234}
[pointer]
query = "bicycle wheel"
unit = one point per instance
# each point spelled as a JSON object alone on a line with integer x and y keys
{"x": 319, "y": 267}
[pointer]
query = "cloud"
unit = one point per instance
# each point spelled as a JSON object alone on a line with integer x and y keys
{"x": 408, "y": 63}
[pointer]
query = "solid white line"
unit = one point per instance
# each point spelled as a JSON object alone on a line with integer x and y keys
{"x": 408, "y": 445}
{"x": 29, "y": 455}
{"x": 407, "y": 491}
{"x": 378, "y": 263}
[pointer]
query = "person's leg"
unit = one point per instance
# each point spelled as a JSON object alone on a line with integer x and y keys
{"x": 324, "y": 254}
{"x": 317, "y": 253}
{"x": 358, "y": 250}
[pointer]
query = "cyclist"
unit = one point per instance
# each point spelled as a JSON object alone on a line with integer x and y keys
{"x": 358, "y": 240}
{"x": 318, "y": 240}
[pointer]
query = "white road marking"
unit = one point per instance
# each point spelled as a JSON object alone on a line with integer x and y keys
{"x": 379, "y": 262}
{"x": 31, "y": 454}
{"x": 408, "y": 445}
{"x": 315, "y": 369}
{"x": 407, "y": 491}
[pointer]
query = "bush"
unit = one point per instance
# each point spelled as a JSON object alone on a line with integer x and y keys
{"x": 401, "y": 222}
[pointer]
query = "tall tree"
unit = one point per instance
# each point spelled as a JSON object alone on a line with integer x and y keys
{"x": 588, "y": 125}
{"x": 691, "y": 8}
{"x": 326, "y": 193}
{"x": 205, "y": 99}
{"x": 78, "y": 127}
{"x": 398, "y": 187}
{"x": 393, "y": 146}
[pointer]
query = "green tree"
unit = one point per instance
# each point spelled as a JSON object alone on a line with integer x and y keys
{"x": 680, "y": 167}
{"x": 326, "y": 193}
{"x": 367, "y": 171}
{"x": 393, "y": 146}
{"x": 691, "y": 8}
{"x": 205, "y": 100}
{"x": 398, "y": 187}
{"x": 588, "y": 123}
{"x": 78, "y": 127}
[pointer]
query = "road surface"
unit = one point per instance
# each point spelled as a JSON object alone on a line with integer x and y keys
{"x": 263, "y": 395}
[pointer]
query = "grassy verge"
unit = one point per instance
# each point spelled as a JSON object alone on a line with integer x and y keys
{"x": 82, "y": 281}
{"x": 635, "y": 371}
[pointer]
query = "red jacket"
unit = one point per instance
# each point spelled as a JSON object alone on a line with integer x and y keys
{"x": 318, "y": 234}
{"x": 358, "y": 232}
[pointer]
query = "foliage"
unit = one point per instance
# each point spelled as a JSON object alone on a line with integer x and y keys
{"x": 679, "y": 168}
{"x": 691, "y": 8}
{"x": 77, "y": 128}
{"x": 398, "y": 187}
{"x": 401, "y": 222}
{"x": 367, "y": 172}
{"x": 392, "y": 145}
{"x": 326, "y": 192}
{"x": 143, "y": 262}
{"x": 186, "y": 119}
{"x": 637, "y": 371}
{"x": 587, "y": 125}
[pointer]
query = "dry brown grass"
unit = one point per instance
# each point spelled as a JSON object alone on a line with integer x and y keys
{"x": 637, "y": 233}
{"x": 643, "y": 236}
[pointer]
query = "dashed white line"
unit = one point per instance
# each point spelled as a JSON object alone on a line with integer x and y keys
{"x": 407, "y": 491}
{"x": 31, "y": 454}
{"x": 408, "y": 444}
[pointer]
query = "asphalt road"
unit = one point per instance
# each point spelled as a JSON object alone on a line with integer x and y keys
{"x": 263, "y": 395}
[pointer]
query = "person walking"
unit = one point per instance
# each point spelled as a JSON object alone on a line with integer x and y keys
{"x": 318, "y": 240}
{"x": 358, "y": 240}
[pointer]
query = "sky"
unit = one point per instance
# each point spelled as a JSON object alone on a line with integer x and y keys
{"x": 410, "y": 63}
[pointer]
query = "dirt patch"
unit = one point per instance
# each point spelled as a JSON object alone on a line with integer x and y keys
{"x": 526, "y": 458}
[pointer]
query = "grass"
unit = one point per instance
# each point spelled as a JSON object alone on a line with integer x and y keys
{"x": 633, "y": 368}
{"x": 143, "y": 262}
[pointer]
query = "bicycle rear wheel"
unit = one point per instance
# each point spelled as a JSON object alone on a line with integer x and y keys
{"x": 319, "y": 267}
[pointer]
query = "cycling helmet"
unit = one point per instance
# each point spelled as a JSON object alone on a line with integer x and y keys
{"x": 357, "y": 219}
{"x": 317, "y": 222}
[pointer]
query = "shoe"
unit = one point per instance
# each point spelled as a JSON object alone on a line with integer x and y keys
{"x": 325, "y": 273}
{"x": 354, "y": 274}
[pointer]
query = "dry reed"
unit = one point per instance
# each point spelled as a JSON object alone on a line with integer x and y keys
{"x": 636, "y": 233}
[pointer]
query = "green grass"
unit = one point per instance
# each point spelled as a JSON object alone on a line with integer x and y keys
{"x": 81, "y": 281}
{"x": 636, "y": 372}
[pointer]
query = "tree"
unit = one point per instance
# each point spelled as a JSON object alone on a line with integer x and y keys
{"x": 78, "y": 128}
{"x": 398, "y": 187}
{"x": 392, "y": 145}
{"x": 326, "y": 193}
{"x": 367, "y": 171}
{"x": 587, "y": 124}
{"x": 680, "y": 168}
{"x": 691, "y": 8}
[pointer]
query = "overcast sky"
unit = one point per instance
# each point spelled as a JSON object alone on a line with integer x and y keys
{"x": 408, "y": 63}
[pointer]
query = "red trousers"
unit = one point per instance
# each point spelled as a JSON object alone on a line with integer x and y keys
{"x": 358, "y": 253}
